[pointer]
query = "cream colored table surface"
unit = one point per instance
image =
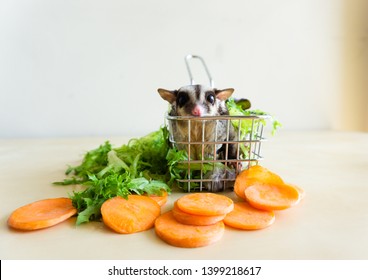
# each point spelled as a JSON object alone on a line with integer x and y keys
{"x": 330, "y": 223}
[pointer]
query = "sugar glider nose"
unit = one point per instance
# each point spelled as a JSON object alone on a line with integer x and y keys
{"x": 197, "y": 111}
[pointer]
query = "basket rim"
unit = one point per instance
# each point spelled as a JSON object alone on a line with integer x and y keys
{"x": 221, "y": 117}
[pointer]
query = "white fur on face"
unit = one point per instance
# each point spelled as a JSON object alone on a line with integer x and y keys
{"x": 197, "y": 97}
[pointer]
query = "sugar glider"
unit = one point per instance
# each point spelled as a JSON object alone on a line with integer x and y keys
{"x": 202, "y": 101}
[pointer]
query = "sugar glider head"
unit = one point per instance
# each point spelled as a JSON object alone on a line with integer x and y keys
{"x": 197, "y": 100}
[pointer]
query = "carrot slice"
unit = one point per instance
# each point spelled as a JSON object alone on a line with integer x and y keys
{"x": 160, "y": 199}
{"x": 254, "y": 174}
{"x": 247, "y": 217}
{"x": 187, "y": 236}
{"x": 272, "y": 196}
{"x": 205, "y": 204}
{"x": 195, "y": 220}
{"x": 42, "y": 214}
{"x": 300, "y": 190}
{"x": 137, "y": 213}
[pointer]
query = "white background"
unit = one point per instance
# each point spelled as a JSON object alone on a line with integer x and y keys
{"x": 92, "y": 68}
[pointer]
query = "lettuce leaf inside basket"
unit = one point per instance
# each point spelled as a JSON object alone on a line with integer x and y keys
{"x": 246, "y": 126}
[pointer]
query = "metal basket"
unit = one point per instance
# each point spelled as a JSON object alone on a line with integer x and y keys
{"x": 208, "y": 166}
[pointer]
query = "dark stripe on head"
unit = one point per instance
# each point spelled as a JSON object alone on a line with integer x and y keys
{"x": 197, "y": 90}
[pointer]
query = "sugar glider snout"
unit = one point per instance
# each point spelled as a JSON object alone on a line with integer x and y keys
{"x": 197, "y": 111}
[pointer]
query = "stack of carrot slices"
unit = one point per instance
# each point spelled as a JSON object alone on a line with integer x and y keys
{"x": 265, "y": 190}
{"x": 195, "y": 220}
{"x": 263, "y": 193}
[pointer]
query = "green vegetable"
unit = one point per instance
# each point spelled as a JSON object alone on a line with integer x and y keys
{"x": 243, "y": 103}
{"x": 136, "y": 168}
{"x": 247, "y": 126}
{"x": 93, "y": 162}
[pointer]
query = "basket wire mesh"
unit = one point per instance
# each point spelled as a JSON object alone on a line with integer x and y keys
{"x": 206, "y": 170}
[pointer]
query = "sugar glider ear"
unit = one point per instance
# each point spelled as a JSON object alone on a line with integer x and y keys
{"x": 224, "y": 94}
{"x": 168, "y": 95}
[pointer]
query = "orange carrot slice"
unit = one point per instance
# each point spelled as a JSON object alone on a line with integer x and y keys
{"x": 180, "y": 235}
{"x": 205, "y": 204}
{"x": 247, "y": 217}
{"x": 137, "y": 213}
{"x": 300, "y": 190}
{"x": 195, "y": 220}
{"x": 272, "y": 196}
{"x": 254, "y": 174}
{"x": 42, "y": 214}
{"x": 160, "y": 199}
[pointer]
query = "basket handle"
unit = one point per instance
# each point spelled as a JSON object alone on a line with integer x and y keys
{"x": 191, "y": 56}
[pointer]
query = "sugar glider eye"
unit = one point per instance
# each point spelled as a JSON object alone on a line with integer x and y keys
{"x": 182, "y": 99}
{"x": 211, "y": 98}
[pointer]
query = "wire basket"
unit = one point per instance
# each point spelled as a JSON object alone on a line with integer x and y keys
{"x": 216, "y": 148}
